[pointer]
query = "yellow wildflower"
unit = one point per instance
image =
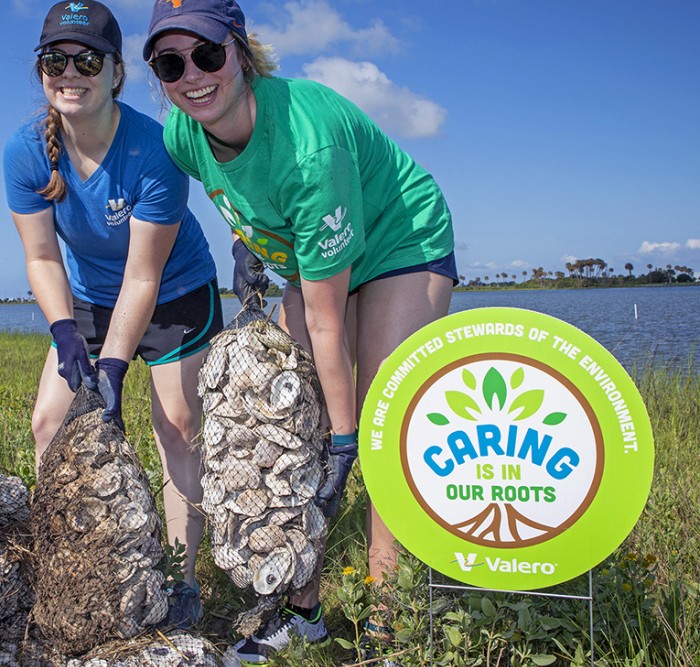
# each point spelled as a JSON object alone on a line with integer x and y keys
{"x": 627, "y": 587}
{"x": 349, "y": 570}
{"x": 369, "y": 579}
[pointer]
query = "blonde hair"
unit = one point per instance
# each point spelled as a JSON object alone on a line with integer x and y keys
{"x": 55, "y": 189}
{"x": 258, "y": 58}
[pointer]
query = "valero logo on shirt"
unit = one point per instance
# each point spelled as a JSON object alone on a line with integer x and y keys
{"x": 339, "y": 241}
{"x": 120, "y": 211}
{"x": 334, "y": 221}
{"x": 506, "y": 448}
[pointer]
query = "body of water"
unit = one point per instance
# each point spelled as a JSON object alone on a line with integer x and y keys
{"x": 638, "y": 325}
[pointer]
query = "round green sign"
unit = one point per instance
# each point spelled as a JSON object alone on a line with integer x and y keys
{"x": 506, "y": 448}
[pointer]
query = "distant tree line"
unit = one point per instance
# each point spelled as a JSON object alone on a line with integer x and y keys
{"x": 581, "y": 273}
{"x": 586, "y": 273}
{"x": 272, "y": 290}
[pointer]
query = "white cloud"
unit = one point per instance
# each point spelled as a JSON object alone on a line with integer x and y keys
{"x": 693, "y": 244}
{"x": 482, "y": 265}
{"x": 569, "y": 259}
{"x": 397, "y": 110}
{"x": 664, "y": 247}
{"x": 313, "y": 26}
{"x": 519, "y": 264}
{"x": 22, "y": 8}
{"x": 132, "y": 51}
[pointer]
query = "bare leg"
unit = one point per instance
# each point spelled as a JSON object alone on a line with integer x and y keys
{"x": 291, "y": 319}
{"x": 388, "y": 312}
{"x": 177, "y": 416}
{"x": 52, "y": 402}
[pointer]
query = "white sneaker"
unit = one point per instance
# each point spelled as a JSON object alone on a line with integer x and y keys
{"x": 277, "y": 633}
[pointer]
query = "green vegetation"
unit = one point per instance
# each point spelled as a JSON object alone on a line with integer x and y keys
{"x": 585, "y": 273}
{"x": 273, "y": 289}
{"x": 647, "y": 597}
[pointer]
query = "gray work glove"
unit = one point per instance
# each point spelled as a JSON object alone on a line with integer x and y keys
{"x": 341, "y": 453}
{"x": 248, "y": 273}
{"x": 73, "y": 358}
{"x": 110, "y": 380}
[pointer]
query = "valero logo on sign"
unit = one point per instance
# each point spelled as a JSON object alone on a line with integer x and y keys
{"x": 506, "y": 448}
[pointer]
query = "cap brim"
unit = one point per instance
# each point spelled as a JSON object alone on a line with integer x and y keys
{"x": 209, "y": 28}
{"x": 92, "y": 41}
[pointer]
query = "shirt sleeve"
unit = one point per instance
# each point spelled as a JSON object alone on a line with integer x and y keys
{"x": 24, "y": 174}
{"x": 322, "y": 198}
{"x": 164, "y": 189}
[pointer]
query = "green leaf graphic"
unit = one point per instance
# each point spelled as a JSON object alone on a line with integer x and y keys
{"x": 554, "y": 418}
{"x": 468, "y": 379}
{"x": 517, "y": 378}
{"x": 438, "y": 419}
{"x": 495, "y": 385}
{"x": 529, "y": 401}
{"x": 461, "y": 403}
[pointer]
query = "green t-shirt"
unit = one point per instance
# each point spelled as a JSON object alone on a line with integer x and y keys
{"x": 319, "y": 187}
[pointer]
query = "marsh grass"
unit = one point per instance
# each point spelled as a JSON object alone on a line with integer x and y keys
{"x": 646, "y": 594}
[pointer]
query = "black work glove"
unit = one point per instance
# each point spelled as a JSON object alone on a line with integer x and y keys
{"x": 73, "y": 359}
{"x": 110, "y": 379}
{"x": 248, "y": 273}
{"x": 342, "y": 452}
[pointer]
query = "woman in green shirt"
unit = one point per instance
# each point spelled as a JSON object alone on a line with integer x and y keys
{"x": 315, "y": 192}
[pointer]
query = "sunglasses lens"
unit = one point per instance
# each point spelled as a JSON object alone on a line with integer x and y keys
{"x": 89, "y": 63}
{"x": 209, "y": 57}
{"x": 53, "y": 64}
{"x": 169, "y": 67}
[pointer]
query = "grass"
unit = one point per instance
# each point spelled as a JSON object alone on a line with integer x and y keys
{"x": 646, "y": 595}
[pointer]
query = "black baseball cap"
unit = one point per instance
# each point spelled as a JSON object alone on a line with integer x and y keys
{"x": 89, "y": 23}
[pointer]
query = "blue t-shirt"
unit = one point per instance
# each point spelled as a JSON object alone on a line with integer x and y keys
{"x": 136, "y": 177}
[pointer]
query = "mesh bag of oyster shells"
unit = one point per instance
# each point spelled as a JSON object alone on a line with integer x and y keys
{"x": 177, "y": 649}
{"x": 96, "y": 535}
{"x": 262, "y": 445}
{"x": 16, "y": 595}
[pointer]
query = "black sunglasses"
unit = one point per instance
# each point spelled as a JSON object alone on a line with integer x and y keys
{"x": 88, "y": 63}
{"x": 209, "y": 57}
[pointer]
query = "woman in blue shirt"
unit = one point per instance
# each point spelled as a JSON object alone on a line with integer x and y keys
{"x": 94, "y": 173}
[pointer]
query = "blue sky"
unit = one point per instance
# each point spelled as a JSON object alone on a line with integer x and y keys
{"x": 558, "y": 129}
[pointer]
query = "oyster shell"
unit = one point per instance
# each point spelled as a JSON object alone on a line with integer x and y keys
{"x": 274, "y": 571}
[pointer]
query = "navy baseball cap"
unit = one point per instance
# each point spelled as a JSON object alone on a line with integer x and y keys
{"x": 211, "y": 19}
{"x": 89, "y": 23}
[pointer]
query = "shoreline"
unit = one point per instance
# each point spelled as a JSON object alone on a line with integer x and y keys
{"x": 523, "y": 287}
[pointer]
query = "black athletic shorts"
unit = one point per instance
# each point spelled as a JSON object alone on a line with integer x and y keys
{"x": 178, "y": 328}
{"x": 445, "y": 266}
